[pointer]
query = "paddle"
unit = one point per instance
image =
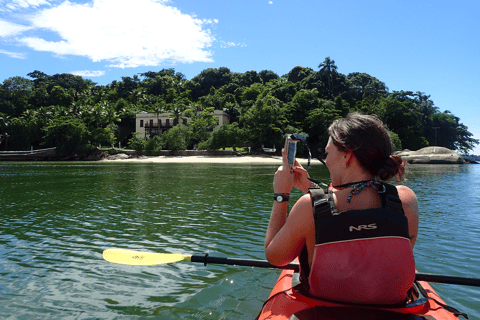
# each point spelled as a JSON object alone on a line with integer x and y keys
{"x": 138, "y": 258}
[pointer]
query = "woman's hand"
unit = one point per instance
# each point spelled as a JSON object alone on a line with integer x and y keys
{"x": 284, "y": 177}
{"x": 301, "y": 176}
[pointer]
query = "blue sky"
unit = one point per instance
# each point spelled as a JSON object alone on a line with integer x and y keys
{"x": 428, "y": 46}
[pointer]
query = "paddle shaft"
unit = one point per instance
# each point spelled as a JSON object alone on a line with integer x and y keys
{"x": 438, "y": 278}
{"x": 466, "y": 281}
{"x": 241, "y": 262}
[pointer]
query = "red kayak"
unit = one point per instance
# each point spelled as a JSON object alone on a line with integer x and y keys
{"x": 285, "y": 302}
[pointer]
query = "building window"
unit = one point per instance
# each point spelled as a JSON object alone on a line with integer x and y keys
{"x": 141, "y": 123}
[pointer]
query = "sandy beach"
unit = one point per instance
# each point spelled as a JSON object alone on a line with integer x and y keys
{"x": 253, "y": 159}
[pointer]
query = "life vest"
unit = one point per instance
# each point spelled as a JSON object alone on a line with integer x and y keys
{"x": 361, "y": 256}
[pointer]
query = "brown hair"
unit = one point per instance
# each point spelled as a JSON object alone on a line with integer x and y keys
{"x": 367, "y": 137}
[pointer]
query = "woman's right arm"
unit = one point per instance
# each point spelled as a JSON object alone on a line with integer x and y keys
{"x": 410, "y": 207}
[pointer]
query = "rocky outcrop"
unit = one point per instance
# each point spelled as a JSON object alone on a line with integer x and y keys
{"x": 432, "y": 155}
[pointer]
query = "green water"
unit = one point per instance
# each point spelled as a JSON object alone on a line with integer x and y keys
{"x": 57, "y": 218}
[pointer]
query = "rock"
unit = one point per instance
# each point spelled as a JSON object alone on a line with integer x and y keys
{"x": 431, "y": 155}
{"x": 118, "y": 156}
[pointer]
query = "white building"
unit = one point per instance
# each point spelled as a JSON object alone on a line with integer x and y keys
{"x": 151, "y": 124}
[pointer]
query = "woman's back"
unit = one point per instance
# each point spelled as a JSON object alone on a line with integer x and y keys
{"x": 362, "y": 254}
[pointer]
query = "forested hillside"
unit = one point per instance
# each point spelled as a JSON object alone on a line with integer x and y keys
{"x": 76, "y": 115}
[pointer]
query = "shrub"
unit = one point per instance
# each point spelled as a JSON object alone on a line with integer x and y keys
{"x": 177, "y": 138}
{"x": 137, "y": 144}
{"x": 154, "y": 145}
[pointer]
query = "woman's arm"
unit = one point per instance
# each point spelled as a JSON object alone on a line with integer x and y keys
{"x": 410, "y": 207}
{"x": 286, "y": 236}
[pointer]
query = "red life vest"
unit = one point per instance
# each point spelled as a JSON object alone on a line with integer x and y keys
{"x": 361, "y": 256}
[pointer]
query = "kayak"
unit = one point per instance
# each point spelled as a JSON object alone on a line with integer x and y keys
{"x": 285, "y": 302}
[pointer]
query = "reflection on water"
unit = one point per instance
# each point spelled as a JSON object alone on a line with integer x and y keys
{"x": 57, "y": 218}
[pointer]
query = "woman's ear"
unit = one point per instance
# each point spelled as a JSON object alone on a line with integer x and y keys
{"x": 349, "y": 156}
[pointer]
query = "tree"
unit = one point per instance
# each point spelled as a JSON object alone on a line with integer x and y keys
{"x": 69, "y": 135}
{"x": 15, "y": 94}
{"x": 154, "y": 144}
{"x": 202, "y": 124}
{"x": 281, "y": 89}
{"x": 298, "y": 73}
{"x": 177, "y": 138}
{"x": 364, "y": 86}
{"x": 267, "y": 75}
{"x": 228, "y": 135}
{"x": 318, "y": 120}
{"x": 403, "y": 118}
{"x": 212, "y": 78}
{"x": 137, "y": 144}
{"x": 19, "y": 136}
{"x": 328, "y": 68}
{"x": 451, "y": 133}
{"x": 303, "y": 102}
{"x": 246, "y": 79}
{"x": 60, "y": 97}
{"x": 265, "y": 122}
{"x": 252, "y": 92}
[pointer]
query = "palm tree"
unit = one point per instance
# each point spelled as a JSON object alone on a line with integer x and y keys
{"x": 328, "y": 68}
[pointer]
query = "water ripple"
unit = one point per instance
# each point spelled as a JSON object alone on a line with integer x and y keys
{"x": 57, "y": 218}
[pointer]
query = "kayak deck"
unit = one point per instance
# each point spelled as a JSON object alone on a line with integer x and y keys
{"x": 284, "y": 302}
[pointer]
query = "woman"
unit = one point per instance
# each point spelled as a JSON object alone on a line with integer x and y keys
{"x": 355, "y": 242}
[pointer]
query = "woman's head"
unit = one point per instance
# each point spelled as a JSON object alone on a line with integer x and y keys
{"x": 367, "y": 138}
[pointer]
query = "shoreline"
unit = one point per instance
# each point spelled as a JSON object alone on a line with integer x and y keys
{"x": 251, "y": 159}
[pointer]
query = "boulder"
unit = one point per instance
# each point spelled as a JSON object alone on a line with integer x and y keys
{"x": 431, "y": 155}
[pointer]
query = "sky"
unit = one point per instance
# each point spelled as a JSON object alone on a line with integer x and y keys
{"x": 430, "y": 46}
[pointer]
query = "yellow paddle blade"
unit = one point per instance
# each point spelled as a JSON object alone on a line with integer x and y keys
{"x": 138, "y": 258}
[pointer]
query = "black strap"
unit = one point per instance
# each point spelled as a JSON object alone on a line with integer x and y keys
{"x": 304, "y": 268}
{"x": 390, "y": 198}
{"x": 321, "y": 204}
{"x": 450, "y": 309}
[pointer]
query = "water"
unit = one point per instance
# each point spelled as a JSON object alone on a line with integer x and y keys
{"x": 57, "y": 218}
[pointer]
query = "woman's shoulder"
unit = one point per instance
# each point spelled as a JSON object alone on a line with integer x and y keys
{"x": 305, "y": 200}
{"x": 302, "y": 208}
{"x": 405, "y": 193}
{"x": 409, "y": 200}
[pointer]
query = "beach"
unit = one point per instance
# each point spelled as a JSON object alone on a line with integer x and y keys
{"x": 252, "y": 159}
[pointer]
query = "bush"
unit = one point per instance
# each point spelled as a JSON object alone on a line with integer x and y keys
{"x": 177, "y": 138}
{"x": 206, "y": 145}
{"x": 137, "y": 144}
{"x": 69, "y": 135}
{"x": 154, "y": 145}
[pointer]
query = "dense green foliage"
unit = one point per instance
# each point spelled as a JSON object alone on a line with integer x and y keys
{"x": 76, "y": 115}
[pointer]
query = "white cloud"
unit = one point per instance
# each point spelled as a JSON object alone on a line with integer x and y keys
{"x": 124, "y": 33}
{"x": 16, "y": 55}
{"x": 228, "y": 44}
{"x": 87, "y": 73}
{"x": 11, "y": 29}
{"x": 29, "y": 3}
{"x": 23, "y": 4}
{"x": 270, "y": 2}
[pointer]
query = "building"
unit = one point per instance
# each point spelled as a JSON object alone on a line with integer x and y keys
{"x": 151, "y": 124}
